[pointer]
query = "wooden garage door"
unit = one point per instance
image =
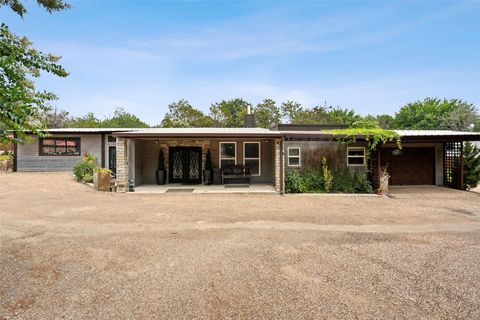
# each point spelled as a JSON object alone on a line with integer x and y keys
{"x": 415, "y": 166}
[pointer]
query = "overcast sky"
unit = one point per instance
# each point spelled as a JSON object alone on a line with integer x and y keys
{"x": 370, "y": 56}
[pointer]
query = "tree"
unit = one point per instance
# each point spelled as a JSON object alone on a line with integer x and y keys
{"x": 291, "y": 111}
{"x": 267, "y": 114}
{"x": 21, "y": 104}
{"x": 433, "y": 113}
{"x": 87, "y": 121}
{"x": 182, "y": 115}
{"x": 49, "y": 5}
{"x": 56, "y": 119}
{"x": 367, "y": 122}
{"x": 123, "y": 119}
{"x": 343, "y": 116}
{"x": 229, "y": 113}
{"x": 386, "y": 121}
{"x": 471, "y": 165}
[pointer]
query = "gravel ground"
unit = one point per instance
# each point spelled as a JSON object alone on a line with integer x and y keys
{"x": 67, "y": 251}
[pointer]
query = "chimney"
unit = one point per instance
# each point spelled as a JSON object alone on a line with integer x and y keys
{"x": 249, "y": 119}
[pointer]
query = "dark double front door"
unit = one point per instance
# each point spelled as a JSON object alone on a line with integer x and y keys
{"x": 185, "y": 164}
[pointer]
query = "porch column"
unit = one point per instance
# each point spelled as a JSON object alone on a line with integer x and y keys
{"x": 278, "y": 165}
{"x": 122, "y": 165}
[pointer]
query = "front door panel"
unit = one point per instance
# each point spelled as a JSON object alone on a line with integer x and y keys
{"x": 185, "y": 165}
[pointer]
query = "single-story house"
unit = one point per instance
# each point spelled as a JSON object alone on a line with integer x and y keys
{"x": 426, "y": 158}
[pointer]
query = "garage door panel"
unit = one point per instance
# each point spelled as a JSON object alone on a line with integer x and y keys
{"x": 415, "y": 166}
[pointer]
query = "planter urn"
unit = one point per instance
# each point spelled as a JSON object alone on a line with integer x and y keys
{"x": 207, "y": 176}
{"x": 383, "y": 185}
{"x": 160, "y": 177}
{"x": 101, "y": 181}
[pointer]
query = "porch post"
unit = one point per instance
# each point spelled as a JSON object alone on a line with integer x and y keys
{"x": 122, "y": 165}
{"x": 278, "y": 165}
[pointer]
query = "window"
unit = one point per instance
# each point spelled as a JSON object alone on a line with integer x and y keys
{"x": 59, "y": 146}
{"x": 251, "y": 157}
{"x": 355, "y": 156}
{"x": 228, "y": 154}
{"x": 293, "y": 157}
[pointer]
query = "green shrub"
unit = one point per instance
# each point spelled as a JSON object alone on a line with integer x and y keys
{"x": 327, "y": 176}
{"x": 87, "y": 178}
{"x": 293, "y": 181}
{"x": 102, "y": 170}
{"x": 84, "y": 168}
{"x": 312, "y": 181}
{"x": 5, "y": 157}
{"x": 342, "y": 182}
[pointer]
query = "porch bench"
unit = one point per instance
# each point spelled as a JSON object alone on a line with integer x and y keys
{"x": 236, "y": 174}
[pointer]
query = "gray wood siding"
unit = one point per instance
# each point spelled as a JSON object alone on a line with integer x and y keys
{"x": 28, "y": 158}
{"x": 311, "y": 153}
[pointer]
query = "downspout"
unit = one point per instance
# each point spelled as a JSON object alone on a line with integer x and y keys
{"x": 15, "y": 150}
{"x": 103, "y": 150}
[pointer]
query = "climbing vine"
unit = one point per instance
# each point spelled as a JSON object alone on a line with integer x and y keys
{"x": 373, "y": 137}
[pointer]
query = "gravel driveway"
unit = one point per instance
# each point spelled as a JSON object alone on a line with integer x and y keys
{"x": 67, "y": 251}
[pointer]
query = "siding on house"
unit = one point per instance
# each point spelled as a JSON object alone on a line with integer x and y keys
{"x": 312, "y": 152}
{"x": 28, "y": 158}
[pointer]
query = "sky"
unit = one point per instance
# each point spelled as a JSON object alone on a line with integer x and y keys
{"x": 371, "y": 56}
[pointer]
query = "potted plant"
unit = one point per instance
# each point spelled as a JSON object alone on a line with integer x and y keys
{"x": 383, "y": 185}
{"x": 161, "y": 169}
{"x": 101, "y": 179}
{"x": 207, "y": 173}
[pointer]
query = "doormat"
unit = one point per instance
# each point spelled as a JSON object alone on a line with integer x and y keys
{"x": 237, "y": 186}
{"x": 180, "y": 190}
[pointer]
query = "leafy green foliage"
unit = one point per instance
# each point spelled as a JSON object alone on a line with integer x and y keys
{"x": 55, "y": 119}
{"x": 123, "y": 119}
{"x": 182, "y": 115}
{"x": 267, "y": 114}
{"x": 313, "y": 181}
{"x": 471, "y": 165}
{"x": 229, "y": 113}
{"x": 5, "y": 157}
{"x": 293, "y": 181}
{"x": 83, "y": 170}
{"x": 373, "y": 137}
{"x": 327, "y": 176}
{"x": 21, "y": 102}
{"x": 102, "y": 170}
{"x": 50, "y": 5}
{"x": 437, "y": 114}
{"x": 385, "y": 121}
{"x": 120, "y": 119}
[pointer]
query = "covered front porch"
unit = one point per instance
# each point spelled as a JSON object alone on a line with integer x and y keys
{"x": 257, "y": 151}
{"x": 201, "y": 188}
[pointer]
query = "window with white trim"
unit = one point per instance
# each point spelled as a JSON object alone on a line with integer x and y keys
{"x": 251, "y": 157}
{"x": 293, "y": 154}
{"x": 355, "y": 156}
{"x": 228, "y": 154}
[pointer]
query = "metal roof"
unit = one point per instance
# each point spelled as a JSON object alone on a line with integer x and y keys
{"x": 90, "y": 130}
{"x": 434, "y": 133}
{"x": 200, "y": 132}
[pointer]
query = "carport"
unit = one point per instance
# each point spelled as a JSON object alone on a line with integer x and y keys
{"x": 427, "y": 157}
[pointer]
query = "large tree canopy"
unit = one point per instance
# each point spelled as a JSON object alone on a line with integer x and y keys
{"x": 229, "y": 113}
{"x": 267, "y": 114}
{"x": 120, "y": 119}
{"x": 181, "y": 114}
{"x": 21, "y": 104}
{"x": 436, "y": 114}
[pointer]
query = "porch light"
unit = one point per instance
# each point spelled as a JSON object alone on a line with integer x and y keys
{"x": 397, "y": 152}
{"x": 156, "y": 141}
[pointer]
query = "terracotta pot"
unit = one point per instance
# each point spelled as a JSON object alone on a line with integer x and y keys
{"x": 101, "y": 181}
{"x": 383, "y": 189}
